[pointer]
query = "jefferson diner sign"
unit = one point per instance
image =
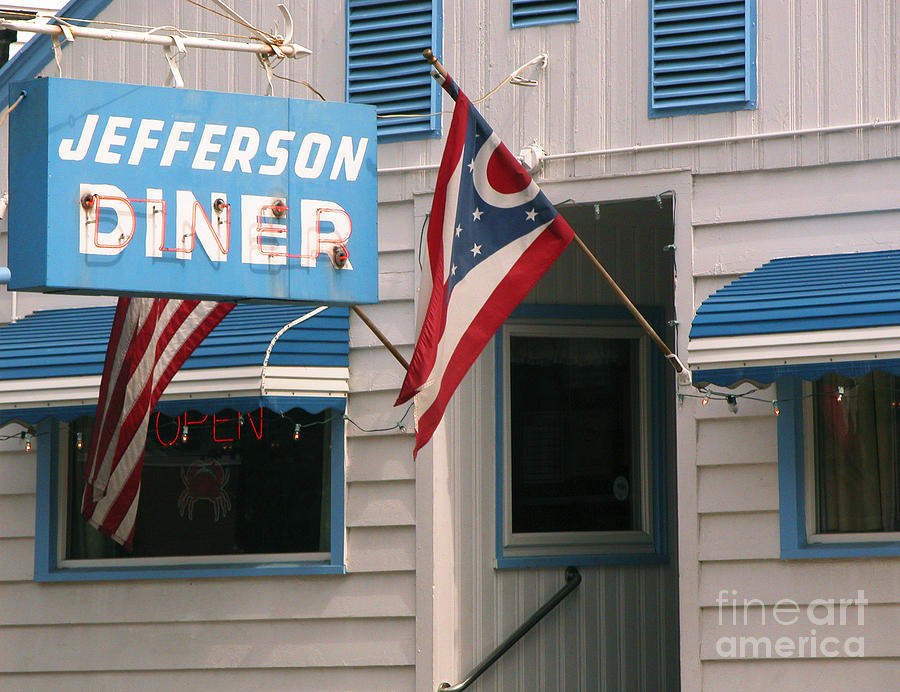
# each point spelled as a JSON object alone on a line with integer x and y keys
{"x": 135, "y": 190}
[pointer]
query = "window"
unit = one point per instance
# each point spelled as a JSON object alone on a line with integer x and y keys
{"x": 535, "y": 12}
{"x": 578, "y": 477}
{"x": 702, "y": 56}
{"x": 842, "y": 466}
{"x": 853, "y": 433}
{"x": 245, "y": 490}
{"x": 385, "y": 68}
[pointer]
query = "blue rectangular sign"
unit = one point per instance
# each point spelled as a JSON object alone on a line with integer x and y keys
{"x": 134, "y": 190}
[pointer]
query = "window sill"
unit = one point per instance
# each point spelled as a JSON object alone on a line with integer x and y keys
{"x": 263, "y": 569}
{"x": 841, "y": 550}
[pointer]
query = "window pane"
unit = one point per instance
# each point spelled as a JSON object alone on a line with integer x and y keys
{"x": 857, "y": 453}
{"x": 237, "y": 484}
{"x": 573, "y": 410}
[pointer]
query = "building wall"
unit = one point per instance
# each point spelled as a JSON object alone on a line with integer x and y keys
{"x": 818, "y": 210}
{"x": 420, "y": 603}
{"x": 350, "y": 632}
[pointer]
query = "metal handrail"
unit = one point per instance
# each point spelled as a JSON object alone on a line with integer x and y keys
{"x": 573, "y": 579}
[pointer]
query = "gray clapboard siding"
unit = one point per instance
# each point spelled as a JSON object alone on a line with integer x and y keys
{"x": 16, "y": 561}
{"x": 802, "y": 580}
{"x": 739, "y": 536}
{"x": 360, "y": 595}
{"x": 249, "y": 644}
{"x": 381, "y": 503}
{"x": 764, "y": 676}
{"x": 381, "y": 458}
{"x": 312, "y": 679}
{"x": 734, "y": 440}
{"x": 736, "y": 488}
{"x": 382, "y": 549}
{"x": 877, "y": 629}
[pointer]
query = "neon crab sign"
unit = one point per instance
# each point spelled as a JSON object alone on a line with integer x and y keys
{"x": 204, "y": 481}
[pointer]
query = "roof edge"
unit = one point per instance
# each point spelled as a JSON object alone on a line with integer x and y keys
{"x": 32, "y": 58}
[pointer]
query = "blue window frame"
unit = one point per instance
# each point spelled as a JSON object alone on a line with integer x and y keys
{"x": 702, "y": 56}
{"x": 53, "y": 537}
{"x": 581, "y": 439}
{"x": 536, "y": 12}
{"x": 802, "y": 491}
{"x": 385, "y": 68}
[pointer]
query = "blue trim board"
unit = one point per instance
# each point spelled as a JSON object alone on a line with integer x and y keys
{"x": 35, "y": 55}
{"x": 46, "y": 528}
{"x": 792, "y": 491}
{"x": 766, "y": 375}
{"x": 659, "y": 442}
{"x": 279, "y": 404}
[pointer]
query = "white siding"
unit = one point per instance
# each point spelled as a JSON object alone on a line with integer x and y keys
{"x": 422, "y": 602}
{"x": 328, "y": 633}
{"x": 741, "y": 220}
{"x": 618, "y": 630}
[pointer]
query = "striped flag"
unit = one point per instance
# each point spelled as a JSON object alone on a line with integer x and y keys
{"x": 492, "y": 234}
{"x": 150, "y": 339}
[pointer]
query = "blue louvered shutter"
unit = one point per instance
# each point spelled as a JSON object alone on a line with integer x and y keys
{"x": 702, "y": 56}
{"x": 533, "y": 12}
{"x": 385, "y": 68}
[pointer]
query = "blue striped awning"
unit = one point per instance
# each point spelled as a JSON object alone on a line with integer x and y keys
{"x": 804, "y": 316}
{"x": 55, "y": 357}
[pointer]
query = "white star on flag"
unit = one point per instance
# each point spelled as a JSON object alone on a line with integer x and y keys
{"x": 471, "y": 166}
{"x": 476, "y": 215}
{"x": 458, "y": 231}
{"x": 530, "y": 215}
{"x": 476, "y": 250}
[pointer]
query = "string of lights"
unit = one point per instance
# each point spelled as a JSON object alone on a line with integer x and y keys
{"x": 29, "y": 434}
{"x": 705, "y": 394}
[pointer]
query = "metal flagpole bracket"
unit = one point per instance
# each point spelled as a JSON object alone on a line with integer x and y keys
{"x": 270, "y": 73}
{"x": 173, "y": 52}
{"x": 531, "y": 156}
{"x": 683, "y": 374}
{"x": 66, "y": 31}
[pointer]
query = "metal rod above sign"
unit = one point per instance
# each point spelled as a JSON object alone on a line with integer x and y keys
{"x": 290, "y": 50}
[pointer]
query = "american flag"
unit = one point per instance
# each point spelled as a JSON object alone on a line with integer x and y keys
{"x": 150, "y": 339}
{"x": 492, "y": 234}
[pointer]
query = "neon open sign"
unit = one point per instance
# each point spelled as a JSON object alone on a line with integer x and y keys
{"x": 123, "y": 189}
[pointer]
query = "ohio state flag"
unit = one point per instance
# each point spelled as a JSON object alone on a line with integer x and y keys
{"x": 492, "y": 234}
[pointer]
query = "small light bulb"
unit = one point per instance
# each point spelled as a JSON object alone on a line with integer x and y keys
{"x": 731, "y": 400}
{"x": 184, "y": 433}
{"x": 27, "y": 437}
{"x": 705, "y": 400}
{"x": 296, "y": 431}
{"x": 240, "y": 419}
{"x": 775, "y": 409}
{"x": 79, "y": 440}
{"x": 840, "y": 394}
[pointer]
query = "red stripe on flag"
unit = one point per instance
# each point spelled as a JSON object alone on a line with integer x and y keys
{"x": 509, "y": 292}
{"x": 436, "y": 317}
{"x": 150, "y": 340}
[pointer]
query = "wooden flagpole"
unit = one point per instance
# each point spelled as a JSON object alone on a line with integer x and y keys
{"x": 381, "y": 337}
{"x": 680, "y": 369}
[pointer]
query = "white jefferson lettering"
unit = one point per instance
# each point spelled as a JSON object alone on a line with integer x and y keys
{"x": 204, "y": 143}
